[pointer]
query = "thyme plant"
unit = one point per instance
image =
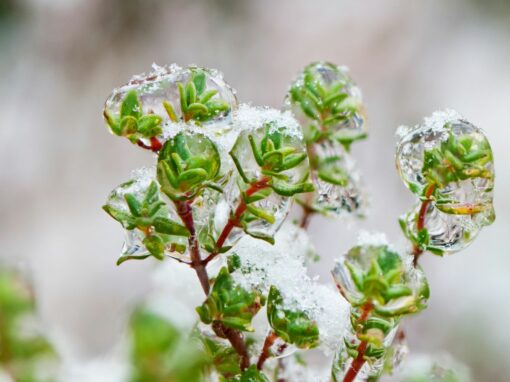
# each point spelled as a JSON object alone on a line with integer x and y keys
{"x": 222, "y": 184}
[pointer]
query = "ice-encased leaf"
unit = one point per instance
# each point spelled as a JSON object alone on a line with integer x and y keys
{"x": 230, "y": 303}
{"x": 292, "y": 325}
{"x": 283, "y": 265}
{"x": 152, "y": 226}
{"x": 188, "y": 163}
{"x": 378, "y": 275}
{"x": 338, "y": 189}
{"x": 272, "y": 166}
{"x": 454, "y": 157}
{"x": 140, "y": 109}
{"x": 327, "y": 103}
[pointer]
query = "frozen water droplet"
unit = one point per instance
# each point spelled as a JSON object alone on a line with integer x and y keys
{"x": 265, "y": 135}
{"x": 448, "y": 232}
{"x": 118, "y": 207}
{"x": 326, "y": 101}
{"x": 213, "y": 101}
{"x": 337, "y": 183}
{"x": 454, "y": 157}
{"x": 356, "y": 272}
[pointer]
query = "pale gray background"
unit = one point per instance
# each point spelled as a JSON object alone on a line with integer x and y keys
{"x": 59, "y": 59}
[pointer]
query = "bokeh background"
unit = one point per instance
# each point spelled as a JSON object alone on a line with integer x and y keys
{"x": 59, "y": 60}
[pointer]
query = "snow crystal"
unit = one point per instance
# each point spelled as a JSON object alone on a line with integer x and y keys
{"x": 249, "y": 117}
{"x": 263, "y": 265}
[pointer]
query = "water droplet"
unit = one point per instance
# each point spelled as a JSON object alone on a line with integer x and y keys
{"x": 337, "y": 183}
{"x": 326, "y": 101}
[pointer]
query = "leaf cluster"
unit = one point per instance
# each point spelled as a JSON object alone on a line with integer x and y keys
{"x": 326, "y": 105}
{"x": 292, "y": 325}
{"x": 230, "y": 304}
{"x": 131, "y": 122}
{"x": 383, "y": 282}
{"x": 275, "y": 155}
{"x": 457, "y": 159}
{"x": 148, "y": 214}
{"x": 187, "y": 164}
{"x": 196, "y": 101}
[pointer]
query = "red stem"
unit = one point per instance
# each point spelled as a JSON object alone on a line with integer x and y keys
{"x": 359, "y": 361}
{"x": 265, "y": 353}
{"x": 236, "y": 340}
{"x": 186, "y": 215}
{"x": 420, "y": 223}
{"x": 234, "y": 336}
{"x": 155, "y": 144}
{"x": 235, "y": 220}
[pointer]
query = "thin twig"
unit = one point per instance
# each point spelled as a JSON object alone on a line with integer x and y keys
{"x": 266, "y": 349}
{"x": 420, "y": 224}
{"x": 359, "y": 361}
{"x": 235, "y": 220}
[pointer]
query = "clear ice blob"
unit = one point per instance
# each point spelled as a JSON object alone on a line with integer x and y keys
{"x": 448, "y": 233}
{"x": 451, "y": 159}
{"x": 272, "y": 165}
{"x": 337, "y": 184}
{"x": 374, "y": 273}
{"x": 327, "y": 103}
{"x": 140, "y": 109}
{"x": 152, "y": 220}
{"x": 375, "y": 353}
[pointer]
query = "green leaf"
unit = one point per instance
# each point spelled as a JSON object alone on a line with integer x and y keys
{"x": 128, "y": 126}
{"x": 170, "y": 111}
{"x": 130, "y": 105}
{"x": 150, "y": 125}
{"x": 198, "y": 78}
{"x": 229, "y": 303}
{"x": 253, "y": 375}
{"x": 169, "y": 227}
{"x": 122, "y": 217}
{"x": 155, "y": 246}
{"x": 261, "y": 214}
{"x": 134, "y": 205}
{"x": 208, "y": 95}
{"x": 292, "y": 325}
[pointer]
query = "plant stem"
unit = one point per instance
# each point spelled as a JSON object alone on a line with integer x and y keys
{"x": 305, "y": 218}
{"x": 308, "y": 198}
{"x": 359, "y": 361}
{"x": 155, "y": 144}
{"x": 236, "y": 340}
{"x": 265, "y": 353}
{"x": 186, "y": 215}
{"x": 235, "y": 220}
{"x": 235, "y": 337}
{"x": 420, "y": 224}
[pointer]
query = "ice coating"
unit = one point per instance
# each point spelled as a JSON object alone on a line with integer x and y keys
{"x": 253, "y": 117}
{"x": 137, "y": 187}
{"x": 338, "y": 189}
{"x": 449, "y": 233}
{"x": 454, "y": 156}
{"x": 448, "y": 162}
{"x": 327, "y": 102}
{"x": 264, "y": 134}
{"x": 263, "y": 265}
{"x": 372, "y": 259}
{"x": 211, "y": 101}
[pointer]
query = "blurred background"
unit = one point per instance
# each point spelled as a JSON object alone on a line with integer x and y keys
{"x": 59, "y": 60}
